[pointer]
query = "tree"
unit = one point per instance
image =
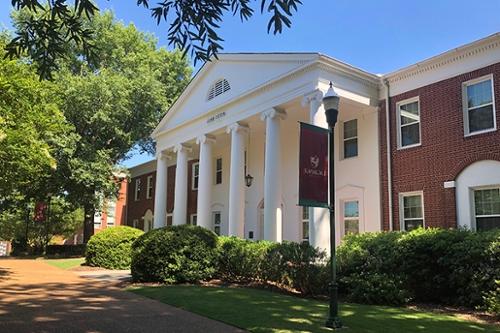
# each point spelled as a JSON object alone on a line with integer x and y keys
{"x": 193, "y": 25}
{"x": 33, "y": 131}
{"x": 113, "y": 103}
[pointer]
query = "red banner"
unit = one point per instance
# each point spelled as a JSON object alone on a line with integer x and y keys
{"x": 313, "y": 166}
{"x": 40, "y": 208}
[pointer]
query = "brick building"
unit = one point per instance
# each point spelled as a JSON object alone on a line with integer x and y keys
{"x": 238, "y": 117}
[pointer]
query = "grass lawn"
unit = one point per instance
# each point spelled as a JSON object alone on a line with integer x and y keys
{"x": 65, "y": 263}
{"x": 263, "y": 311}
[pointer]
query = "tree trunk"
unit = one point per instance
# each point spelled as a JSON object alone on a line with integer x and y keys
{"x": 88, "y": 222}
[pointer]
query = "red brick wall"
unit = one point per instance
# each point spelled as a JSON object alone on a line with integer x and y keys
{"x": 444, "y": 151}
{"x": 137, "y": 209}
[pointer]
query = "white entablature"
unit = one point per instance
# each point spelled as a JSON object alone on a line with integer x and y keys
{"x": 257, "y": 82}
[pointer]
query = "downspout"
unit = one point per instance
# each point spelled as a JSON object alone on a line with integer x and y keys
{"x": 389, "y": 160}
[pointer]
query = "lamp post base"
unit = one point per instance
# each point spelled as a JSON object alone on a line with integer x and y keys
{"x": 334, "y": 323}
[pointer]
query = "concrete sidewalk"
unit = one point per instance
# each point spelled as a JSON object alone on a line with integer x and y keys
{"x": 36, "y": 297}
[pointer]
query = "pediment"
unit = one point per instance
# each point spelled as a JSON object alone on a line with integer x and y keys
{"x": 229, "y": 77}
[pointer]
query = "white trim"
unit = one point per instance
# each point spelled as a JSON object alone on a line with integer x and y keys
{"x": 149, "y": 185}
{"x": 401, "y": 208}
{"x": 465, "y": 108}
{"x": 400, "y": 126}
{"x": 194, "y": 176}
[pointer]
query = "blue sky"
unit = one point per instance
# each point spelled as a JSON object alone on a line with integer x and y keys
{"x": 376, "y": 35}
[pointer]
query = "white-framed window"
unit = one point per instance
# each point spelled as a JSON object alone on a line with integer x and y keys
{"x": 217, "y": 221}
{"x": 351, "y": 217}
{"x": 218, "y": 170}
{"x": 97, "y": 220}
{"x": 193, "y": 220}
{"x": 149, "y": 189}
{"x": 195, "y": 175}
{"x": 411, "y": 211}
{"x": 350, "y": 138}
{"x": 479, "y": 105}
{"x": 137, "y": 190}
{"x": 110, "y": 213}
{"x": 487, "y": 208}
{"x": 409, "y": 123}
{"x": 305, "y": 224}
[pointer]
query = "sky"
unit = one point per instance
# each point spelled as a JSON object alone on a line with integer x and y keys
{"x": 378, "y": 36}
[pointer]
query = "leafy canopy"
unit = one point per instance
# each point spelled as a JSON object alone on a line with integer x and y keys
{"x": 193, "y": 25}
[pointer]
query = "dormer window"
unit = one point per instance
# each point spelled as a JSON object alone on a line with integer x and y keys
{"x": 218, "y": 88}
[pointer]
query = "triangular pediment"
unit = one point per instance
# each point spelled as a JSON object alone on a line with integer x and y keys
{"x": 227, "y": 78}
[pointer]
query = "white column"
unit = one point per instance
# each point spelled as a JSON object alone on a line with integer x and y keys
{"x": 181, "y": 183}
{"x": 319, "y": 218}
{"x": 272, "y": 175}
{"x": 205, "y": 180}
{"x": 160, "y": 191}
{"x": 237, "y": 180}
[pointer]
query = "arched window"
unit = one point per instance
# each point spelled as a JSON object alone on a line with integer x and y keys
{"x": 218, "y": 88}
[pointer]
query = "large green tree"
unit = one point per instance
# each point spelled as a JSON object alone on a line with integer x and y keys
{"x": 193, "y": 25}
{"x": 113, "y": 103}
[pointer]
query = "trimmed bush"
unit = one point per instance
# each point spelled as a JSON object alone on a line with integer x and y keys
{"x": 298, "y": 266}
{"x": 76, "y": 250}
{"x": 175, "y": 254}
{"x": 241, "y": 260}
{"x": 111, "y": 248}
{"x": 454, "y": 267}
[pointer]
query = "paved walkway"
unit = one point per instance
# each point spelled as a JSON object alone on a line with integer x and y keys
{"x": 36, "y": 297}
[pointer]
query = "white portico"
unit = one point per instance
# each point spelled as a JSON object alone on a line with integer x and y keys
{"x": 239, "y": 116}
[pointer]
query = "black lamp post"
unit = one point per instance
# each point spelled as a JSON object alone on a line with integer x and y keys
{"x": 331, "y": 104}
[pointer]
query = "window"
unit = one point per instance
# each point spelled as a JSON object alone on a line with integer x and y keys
{"x": 479, "y": 106}
{"x": 409, "y": 123}
{"x": 195, "y": 175}
{"x": 137, "y": 194}
{"x": 351, "y": 217}
{"x": 350, "y": 138}
{"x": 149, "y": 189}
{"x": 412, "y": 211}
{"x": 110, "y": 213}
{"x": 305, "y": 224}
{"x": 193, "y": 219}
{"x": 218, "y": 88}
{"x": 216, "y": 216}
{"x": 97, "y": 220}
{"x": 487, "y": 208}
{"x": 218, "y": 171}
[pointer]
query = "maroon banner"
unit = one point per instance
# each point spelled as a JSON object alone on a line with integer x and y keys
{"x": 313, "y": 166}
{"x": 40, "y": 208}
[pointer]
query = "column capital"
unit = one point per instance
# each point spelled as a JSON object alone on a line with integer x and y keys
{"x": 205, "y": 138}
{"x": 315, "y": 96}
{"x": 182, "y": 147}
{"x": 273, "y": 113}
{"x": 237, "y": 127}
{"x": 164, "y": 155}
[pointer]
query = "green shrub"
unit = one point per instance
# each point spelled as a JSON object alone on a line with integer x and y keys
{"x": 175, "y": 254}
{"x": 241, "y": 260}
{"x": 111, "y": 247}
{"x": 375, "y": 288}
{"x": 299, "y": 266}
{"x": 454, "y": 267}
{"x": 492, "y": 300}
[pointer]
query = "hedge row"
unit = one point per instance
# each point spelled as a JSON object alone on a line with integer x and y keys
{"x": 450, "y": 267}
